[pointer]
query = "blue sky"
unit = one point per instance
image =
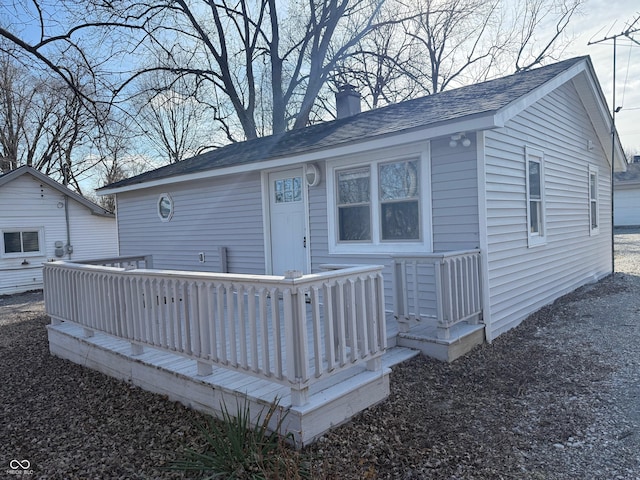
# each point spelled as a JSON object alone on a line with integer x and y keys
{"x": 601, "y": 19}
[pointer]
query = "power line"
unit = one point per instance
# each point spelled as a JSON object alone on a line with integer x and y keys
{"x": 627, "y": 33}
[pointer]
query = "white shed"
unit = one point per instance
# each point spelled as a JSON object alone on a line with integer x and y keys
{"x": 626, "y": 195}
{"x": 43, "y": 220}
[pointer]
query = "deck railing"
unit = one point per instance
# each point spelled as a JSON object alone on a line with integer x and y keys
{"x": 127, "y": 262}
{"x": 444, "y": 287}
{"x": 293, "y": 331}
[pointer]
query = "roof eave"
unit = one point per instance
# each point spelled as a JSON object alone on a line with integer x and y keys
{"x": 483, "y": 121}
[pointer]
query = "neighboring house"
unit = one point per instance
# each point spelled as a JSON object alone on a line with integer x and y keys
{"x": 517, "y": 167}
{"x": 43, "y": 220}
{"x": 626, "y": 195}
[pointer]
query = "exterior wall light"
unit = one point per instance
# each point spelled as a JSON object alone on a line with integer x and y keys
{"x": 312, "y": 175}
{"x": 459, "y": 137}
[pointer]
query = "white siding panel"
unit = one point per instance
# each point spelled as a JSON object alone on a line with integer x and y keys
{"x": 627, "y": 206}
{"x": 523, "y": 279}
{"x": 38, "y": 206}
{"x": 208, "y": 214}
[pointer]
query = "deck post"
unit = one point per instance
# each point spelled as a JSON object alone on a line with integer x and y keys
{"x": 442, "y": 327}
{"x": 204, "y": 369}
{"x": 400, "y": 295}
{"x": 296, "y": 340}
{"x": 136, "y": 349}
{"x": 299, "y": 396}
{"x": 375, "y": 364}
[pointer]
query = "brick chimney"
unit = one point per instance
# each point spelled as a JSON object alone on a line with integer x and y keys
{"x": 347, "y": 101}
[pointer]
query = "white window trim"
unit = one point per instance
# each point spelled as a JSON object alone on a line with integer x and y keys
{"x": 377, "y": 245}
{"x": 593, "y": 170}
{"x": 39, "y": 253}
{"x": 170, "y": 216}
{"x": 536, "y": 239}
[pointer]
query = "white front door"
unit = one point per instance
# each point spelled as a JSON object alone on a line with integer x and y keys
{"x": 287, "y": 222}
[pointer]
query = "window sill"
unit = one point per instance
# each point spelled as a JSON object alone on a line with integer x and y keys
{"x": 22, "y": 255}
{"x": 379, "y": 248}
{"x": 534, "y": 242}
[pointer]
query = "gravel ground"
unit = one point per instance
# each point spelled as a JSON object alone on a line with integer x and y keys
{"x": 556, "y": 398}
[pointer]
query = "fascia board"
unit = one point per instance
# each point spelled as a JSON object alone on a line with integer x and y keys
{"x": 596, "y": 106}
{"x": 508, "y": 112}
{"x": 471, "y": 123}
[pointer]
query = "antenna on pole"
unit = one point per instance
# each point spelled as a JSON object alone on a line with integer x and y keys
{"x": 615, "y": 109}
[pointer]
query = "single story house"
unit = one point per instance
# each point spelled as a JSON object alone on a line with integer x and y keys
{"x": 302, "y": 265}
{"x": 44, "y": 220}
{"x": 626, "y": 196}
{"x": 517, "y": 167}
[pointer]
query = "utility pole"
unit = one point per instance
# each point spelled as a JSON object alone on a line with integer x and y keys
{"x": 626, "y": 33}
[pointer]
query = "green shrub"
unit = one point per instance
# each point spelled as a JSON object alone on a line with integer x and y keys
{"x": 232, "y": 449}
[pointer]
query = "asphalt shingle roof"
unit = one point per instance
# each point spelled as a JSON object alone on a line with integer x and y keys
{"x": 445, "y": 107}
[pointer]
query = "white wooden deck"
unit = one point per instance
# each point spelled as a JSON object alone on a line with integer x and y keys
{"x": 321, "y": 345}
{"x": 332, "y": 400}
{"x": 314, "y": 343}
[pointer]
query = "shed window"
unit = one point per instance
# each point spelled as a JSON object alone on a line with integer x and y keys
{"x": 594, "y": 220}
{"x": 21, "y": 242}
{"x": 535, "y": 196}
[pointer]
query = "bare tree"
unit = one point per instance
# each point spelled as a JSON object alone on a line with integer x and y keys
{"x": 382, "y": 64}
{"x": 470, "y": 40}
{"x": 235, "y": 48}
{"x": 115, "y": 158}
{"x": 265, "y": 66}
{"x": 440, "y": 44}
{"x": 173, "y": 120}
{"x": 42, "y": 124}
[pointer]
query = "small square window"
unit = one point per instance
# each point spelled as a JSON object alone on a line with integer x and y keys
{"x": 287, "y": 190}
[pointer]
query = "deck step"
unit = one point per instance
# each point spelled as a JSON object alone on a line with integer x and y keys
{"x": 396, "y": 355}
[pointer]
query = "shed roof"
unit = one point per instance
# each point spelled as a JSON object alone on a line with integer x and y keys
{"x": 41, "y": 177}
{"x": 450, "y": 107}
{"x": 630, "y": 177}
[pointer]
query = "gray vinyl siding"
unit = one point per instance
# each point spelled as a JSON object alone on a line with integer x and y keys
{"x": 523, "y": 279}
{"x": 454, "y": 196}
{"x": 208, "y": 214}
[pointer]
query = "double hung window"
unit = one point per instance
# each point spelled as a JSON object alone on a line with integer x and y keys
{"x": 21, "y": 242}
{"x": 594, "y": 219}
{"x": 377, "y": 204}
{"x": 535, "y": 196}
